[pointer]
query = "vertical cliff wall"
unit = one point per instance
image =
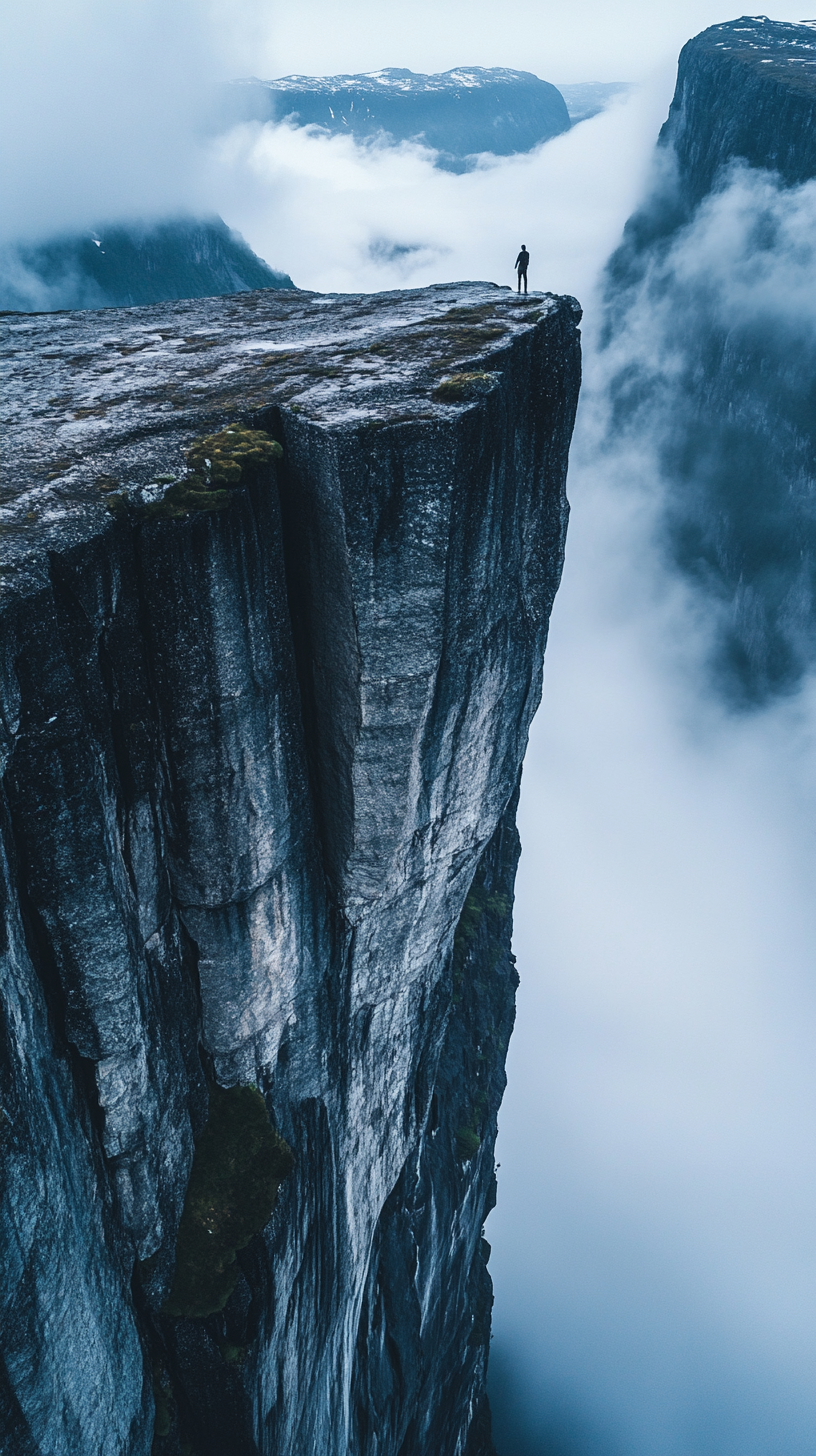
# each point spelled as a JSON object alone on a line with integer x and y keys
{"x": 261, "y": 737}
{"x": 710, "y": 343}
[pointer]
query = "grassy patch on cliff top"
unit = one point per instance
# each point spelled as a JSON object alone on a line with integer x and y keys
{"x": 240, "y": 1162}
{"x": 221, "y": 460}
{"x": 216, "y": 464}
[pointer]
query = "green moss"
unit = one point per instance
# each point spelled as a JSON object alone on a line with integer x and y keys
{"x": 482, "y": 912}
{"x": 381, "y": 346}
{"x": 476, "y": 336}
{"x": 222, "y": 459}
{"x": 468, "y": 1143}
{"x": 476, "y": 313}
{"x": 458, "y": 387}
{"x": 190, "y": 494}
{"x": 281, "y": 356}
{"x": 321, "y": 371}
{"x": 117, "y": 503}
{"x": 195, "y": 344}
{"x": 216, "y": 464}
{"x": 240, "y": 1162}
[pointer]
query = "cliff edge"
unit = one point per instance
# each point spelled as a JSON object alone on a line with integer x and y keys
{"x": 277, "y": 573}
{"x": 746, "y": 91}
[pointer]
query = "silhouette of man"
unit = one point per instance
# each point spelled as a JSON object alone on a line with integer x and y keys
{"x": 521, "y": 266}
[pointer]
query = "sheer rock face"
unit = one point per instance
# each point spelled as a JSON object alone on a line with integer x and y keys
{"x": 745, "y": 95}
{"x": 746, "y": 91}
{"x": 254, "y": 761}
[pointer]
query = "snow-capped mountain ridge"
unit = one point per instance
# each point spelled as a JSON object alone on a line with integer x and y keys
{"x": 397, "y": 78}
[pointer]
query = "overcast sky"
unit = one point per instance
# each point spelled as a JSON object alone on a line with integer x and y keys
{"x": 591, "y": 40}
{"x": 99, "y": 101}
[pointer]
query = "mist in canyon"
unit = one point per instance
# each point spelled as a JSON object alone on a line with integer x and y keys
{"x": 652, "y": 1245}
{"x": 652, "y": 1251}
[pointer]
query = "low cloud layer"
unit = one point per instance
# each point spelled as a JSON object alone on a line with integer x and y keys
{"x": 711, "y": 361}
{"x": 99, "y": 108}
{"x": 347, "y": 217}
{"x": 653, "y": 1252}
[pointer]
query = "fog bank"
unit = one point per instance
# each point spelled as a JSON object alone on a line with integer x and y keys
{"x": 654, "y": 1260}
{"x": 350, "y": 217}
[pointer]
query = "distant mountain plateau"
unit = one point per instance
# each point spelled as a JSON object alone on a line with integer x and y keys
{"x": 459, "y": 114}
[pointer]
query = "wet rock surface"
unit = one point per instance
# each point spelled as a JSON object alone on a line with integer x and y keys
{"x": 259, "y": 763}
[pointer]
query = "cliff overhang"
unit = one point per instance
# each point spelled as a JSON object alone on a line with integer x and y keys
{"x": 255, "y": 758}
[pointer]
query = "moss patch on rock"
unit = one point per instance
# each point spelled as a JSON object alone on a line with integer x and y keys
{"x": 459, "y": 387}
{"x": 222, "y": 459}
{"x": 217, "y": 464}
{"x": 240, "y": 1162}
{"x": 482, "y": 911}
{"x": 190, "y": 494}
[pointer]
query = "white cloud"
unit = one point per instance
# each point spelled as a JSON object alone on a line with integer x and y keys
{"x": 343, "y": 217}
{"x": 653, "y": 1248}
{"x": 98, "y": 110}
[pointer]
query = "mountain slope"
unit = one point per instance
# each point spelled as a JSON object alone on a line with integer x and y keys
{"x": 121, "y": 266}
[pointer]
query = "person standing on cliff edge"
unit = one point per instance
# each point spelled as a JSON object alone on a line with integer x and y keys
{"x": 521, "y": 266}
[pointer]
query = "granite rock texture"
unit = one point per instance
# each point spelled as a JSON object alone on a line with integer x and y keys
{"x": 259, "y": 769}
